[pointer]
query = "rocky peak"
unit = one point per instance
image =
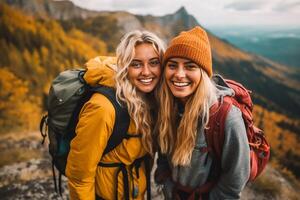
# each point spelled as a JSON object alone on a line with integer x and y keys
{"x": 180, "y": 19}
{"x": 182, "y": 11}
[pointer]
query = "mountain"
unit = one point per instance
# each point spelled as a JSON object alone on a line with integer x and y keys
{"x": 111, "y": 26}
{"x": 168, "y": 26}
{"x": 285, "y": 50}
{"x": 54, "y": 9}
{"x": 270, "y": 81}
{"x": 276, "y": 43}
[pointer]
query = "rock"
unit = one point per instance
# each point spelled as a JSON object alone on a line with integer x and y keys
{"x": 32, "y": 179}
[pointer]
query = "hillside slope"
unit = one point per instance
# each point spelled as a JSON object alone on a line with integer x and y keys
{"x": 270, "y": 81}
{"x": 33, "y": 52}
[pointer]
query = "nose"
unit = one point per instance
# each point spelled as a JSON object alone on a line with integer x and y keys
{"x": 145, "y": 69}
{"x": 180, "y": 73}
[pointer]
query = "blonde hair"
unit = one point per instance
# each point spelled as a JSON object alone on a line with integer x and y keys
{"x": 176, "y": 139}
{"x": 138, "y": 107}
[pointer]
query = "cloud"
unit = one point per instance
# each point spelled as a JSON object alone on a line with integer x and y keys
{"x": 264, "y": 5}
{"x": 285, "y": 6}
{"x": 133, "y": 4}
{"x": 154, "y": 7}
{"x": 247, "y": 5}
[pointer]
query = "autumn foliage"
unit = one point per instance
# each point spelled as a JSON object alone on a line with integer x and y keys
{"x": 283, "y": 135}
{"x": 18, "y": 108}
{"x": 33, "y": 52}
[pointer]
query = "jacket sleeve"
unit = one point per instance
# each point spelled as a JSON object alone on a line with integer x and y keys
{"x": 235, "y": 159}
{"x": 93, "y": 130}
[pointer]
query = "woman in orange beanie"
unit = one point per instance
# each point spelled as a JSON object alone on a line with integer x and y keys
{"x": 186, "y": 168}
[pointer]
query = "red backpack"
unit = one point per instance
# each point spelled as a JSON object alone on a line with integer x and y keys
{"x": 259, "y": 147}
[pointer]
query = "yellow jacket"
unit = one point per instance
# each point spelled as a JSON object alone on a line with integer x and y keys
{"x": 96, "y": 122}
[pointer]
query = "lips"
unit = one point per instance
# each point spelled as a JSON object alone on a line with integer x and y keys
{"x": 180, "y": 84}
{"x": 146, "y": 81}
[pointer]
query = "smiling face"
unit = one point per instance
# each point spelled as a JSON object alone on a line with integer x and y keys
{"x": 144, "y": 70}
{"x": 183, "y": 77}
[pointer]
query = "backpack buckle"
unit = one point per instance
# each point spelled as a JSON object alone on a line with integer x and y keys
{"x": 80, "y": 77}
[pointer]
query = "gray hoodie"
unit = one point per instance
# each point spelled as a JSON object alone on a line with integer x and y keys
{"x": 235, "y": 161}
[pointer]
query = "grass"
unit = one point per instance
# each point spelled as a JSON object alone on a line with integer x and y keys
{"x": 268, "y": 186}
{"x": 11, "y": 156}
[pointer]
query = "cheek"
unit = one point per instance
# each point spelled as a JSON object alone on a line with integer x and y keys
{"x": 131, "y": 73}
{"x": 167, "y": 74}
{"x": 196, "y": 79}
{"x": 157, "y": 71}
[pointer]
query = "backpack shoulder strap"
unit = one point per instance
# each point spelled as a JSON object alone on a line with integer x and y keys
{"x": 122, "y": 118}
{"x": 215, "y": 132}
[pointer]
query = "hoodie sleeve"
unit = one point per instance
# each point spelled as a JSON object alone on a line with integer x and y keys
{"x": 235, "y": 159}
{"x": 93, "y": 130}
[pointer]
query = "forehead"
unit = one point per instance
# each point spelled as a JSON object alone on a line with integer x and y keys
{"x": 180, "y": 60}
{"x": 145, "y": 51}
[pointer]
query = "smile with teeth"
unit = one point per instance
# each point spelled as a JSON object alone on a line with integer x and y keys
{"x": 180, "y": 84}
{"x": 146, "y": 80}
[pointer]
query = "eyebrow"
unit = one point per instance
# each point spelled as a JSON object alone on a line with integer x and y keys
{"x": 154, "y": 58}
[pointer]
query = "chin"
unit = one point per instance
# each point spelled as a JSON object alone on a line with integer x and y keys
{"x": 180, "y": 95}
{"x": 146, "y": 89}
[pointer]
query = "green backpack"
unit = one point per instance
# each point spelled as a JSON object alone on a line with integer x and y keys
{"x": 68, "y": 93}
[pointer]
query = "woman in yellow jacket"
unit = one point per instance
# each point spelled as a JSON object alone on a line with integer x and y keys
{"x": 138, "y": 69}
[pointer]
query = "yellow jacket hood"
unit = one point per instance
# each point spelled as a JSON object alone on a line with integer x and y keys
{"x": 101, "y": 70}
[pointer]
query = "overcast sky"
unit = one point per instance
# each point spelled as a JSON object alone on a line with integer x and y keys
{"x": 211, "y": 13}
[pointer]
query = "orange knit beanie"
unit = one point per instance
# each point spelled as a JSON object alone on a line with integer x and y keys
{"x": 193, "y": 45}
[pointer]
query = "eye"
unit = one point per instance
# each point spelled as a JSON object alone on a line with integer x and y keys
{"x": 154, "y": 63}
{"x": 135, "y": 64}
{"x": 171, "y": 65}
{"x": 191, "y": 66}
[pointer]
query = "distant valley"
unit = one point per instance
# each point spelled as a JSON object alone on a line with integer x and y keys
{"x": 279, "y": 44}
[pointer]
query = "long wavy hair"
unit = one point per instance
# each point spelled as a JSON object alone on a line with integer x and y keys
{"x": 138, "y": 105}
{"x": 177, "y": 138}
